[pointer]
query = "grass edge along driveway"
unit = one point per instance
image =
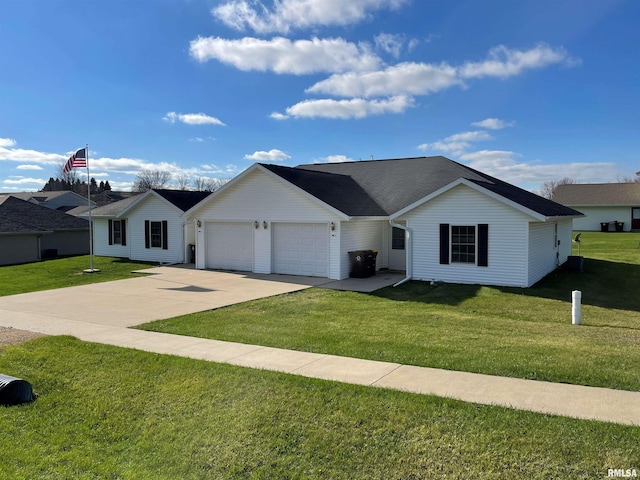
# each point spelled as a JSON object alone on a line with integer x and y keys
{"x": 523, "y": 333}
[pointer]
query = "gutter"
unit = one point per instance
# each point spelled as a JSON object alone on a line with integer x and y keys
{"x": 408, "y": 250}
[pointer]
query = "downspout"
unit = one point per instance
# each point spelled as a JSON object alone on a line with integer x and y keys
{"x": 408, "y": 251}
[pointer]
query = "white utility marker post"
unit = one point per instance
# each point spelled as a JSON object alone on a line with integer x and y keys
{"x": 576, "y": 309}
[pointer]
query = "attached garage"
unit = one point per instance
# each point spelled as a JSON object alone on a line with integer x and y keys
{"x": 229, "y": 246}
{"x": 301, "y": 249}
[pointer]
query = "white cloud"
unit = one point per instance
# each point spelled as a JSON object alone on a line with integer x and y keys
{"x": 404, "y": 78}
{"x": 29, "y": 167}
{"x": 192, "y": 118}
{"x": 283, "y": 56}
{"x": 493, "y": 124}
{"x": 273, "y": 155}
{"x": 413, "y": 78}
{"x": 7, "y": 142}
{"x": 457, "y": 143}
{"x": 392, "y": 43}
{"x": 31, "y": 156}
{"x": 334, "y": 159}
{"x": 505, "y": 62}
{"x": 278, "y": 116}
{"x": 352, "y": 108}
{"x": 505, "y": 166}
{"x": 24, "y": 181}
{"x": 296, "y": 14}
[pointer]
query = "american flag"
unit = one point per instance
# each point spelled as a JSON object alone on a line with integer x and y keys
{"x": 77, "y": 160}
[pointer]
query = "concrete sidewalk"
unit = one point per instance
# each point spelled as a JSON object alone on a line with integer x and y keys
{"x": 592, "y": 403}
{"x": 56, "y": 313}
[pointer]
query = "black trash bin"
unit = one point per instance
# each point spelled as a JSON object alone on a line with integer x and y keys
{"x": 14, "y": 391}
{"x": 362, "y": 263}
{"x": 604, "y": 226}
{"x": 619, "y": 226}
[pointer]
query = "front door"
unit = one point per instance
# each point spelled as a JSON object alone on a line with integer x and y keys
{"x": 397, "y": 254}
{"x": 635, "y": 218}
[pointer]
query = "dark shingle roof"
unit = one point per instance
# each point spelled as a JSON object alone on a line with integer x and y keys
{"x": 339, "y": 191}
{"x": 397, "y": 183}
{"x": 598, "y": 194}
{"x": 183, "y": 199}
{"x": 18, "y": 215}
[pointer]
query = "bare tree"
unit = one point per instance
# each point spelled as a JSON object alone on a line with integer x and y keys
{"x": 635, "y": 179}
{"x": 205, "y": 184}
{"x": 549, "y": 187}
{"x": 148, "y": 179}
{"x": 71, "y": 176}
{"x": 182, "y": 182}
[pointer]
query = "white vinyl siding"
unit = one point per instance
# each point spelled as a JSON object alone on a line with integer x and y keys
{"x": 507, "y": 241}
{"x": 362, "y": 235}
{"x": 101, "y": 245}
{"x": 542, "y": 251}
{"x": 565, "y": 236}
{"x": 260, "y": 197}
{"x": 155, "y": 209}
{"x": 229, "y": 246}
{"x": 596, "y": 215}
{"x": 545, "y": 255}
{"x": 301, "y": 249}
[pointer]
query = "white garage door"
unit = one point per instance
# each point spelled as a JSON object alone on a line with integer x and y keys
{"x": 301, "y": 249}
{"x": 230, "y": 246}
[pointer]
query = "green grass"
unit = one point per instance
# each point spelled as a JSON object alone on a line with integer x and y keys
{"x": 64, "y": 272}
{"x": 524, "y": 333}
{"x": 106, "y": 412}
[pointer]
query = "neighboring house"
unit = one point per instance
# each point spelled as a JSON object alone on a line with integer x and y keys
{"x": 431, "y": 217}
{"x": 147, "y": 227}
{"x": 602, "y": 203}
{"x": 29, "y": 232}
{"x": 61, "y": 200}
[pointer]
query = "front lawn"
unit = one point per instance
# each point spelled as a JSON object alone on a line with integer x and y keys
{"x": 64, "y": 272}
{"x": 108, "y": 412}
{"x": 525, "y": 333}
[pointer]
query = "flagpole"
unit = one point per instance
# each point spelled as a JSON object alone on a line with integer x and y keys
{"x": 86, "y": 155}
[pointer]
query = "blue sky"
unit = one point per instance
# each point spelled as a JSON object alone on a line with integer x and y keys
{"x": 527, "y": 91}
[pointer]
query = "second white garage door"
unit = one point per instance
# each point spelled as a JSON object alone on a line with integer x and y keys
{"x": 230, "y": 246}
{"x": 301, "y": 249}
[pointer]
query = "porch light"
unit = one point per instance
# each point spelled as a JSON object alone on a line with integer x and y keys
{"x": 333, "y": 226}
{"x": 264, "y": 224}
{"x": 199, "y": 223}
{"x": 256, "y": 224}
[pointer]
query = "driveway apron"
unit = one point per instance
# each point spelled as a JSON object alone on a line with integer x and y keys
{"x": 167, "y": 292}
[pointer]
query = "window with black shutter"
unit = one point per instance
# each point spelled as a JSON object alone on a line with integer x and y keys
{"x": 156, "y": 234}
{"x": 117, "y": 232}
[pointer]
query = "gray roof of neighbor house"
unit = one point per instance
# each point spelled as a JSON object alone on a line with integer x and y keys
{"x": 384, "y": 187}
{"x": 43, "y": 198}
{"x": 21, "y": 216}
{"x": 609, "y": 194}
{"x": 182, "y": 199}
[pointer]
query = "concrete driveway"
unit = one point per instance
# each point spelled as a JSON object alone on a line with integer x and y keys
{"x": 167, "y": 292}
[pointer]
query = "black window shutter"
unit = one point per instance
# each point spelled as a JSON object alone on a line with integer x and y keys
{"x": 123, "y": 232}
{"x": 110, "y": 232}
{"x": 483, "y": 245}
{"x": 147, "y": 234}
{"x": 165, "y": 235}
{"x": 444, "y": 243}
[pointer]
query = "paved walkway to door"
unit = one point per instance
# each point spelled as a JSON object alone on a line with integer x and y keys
{"x": 101, "y": 312}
